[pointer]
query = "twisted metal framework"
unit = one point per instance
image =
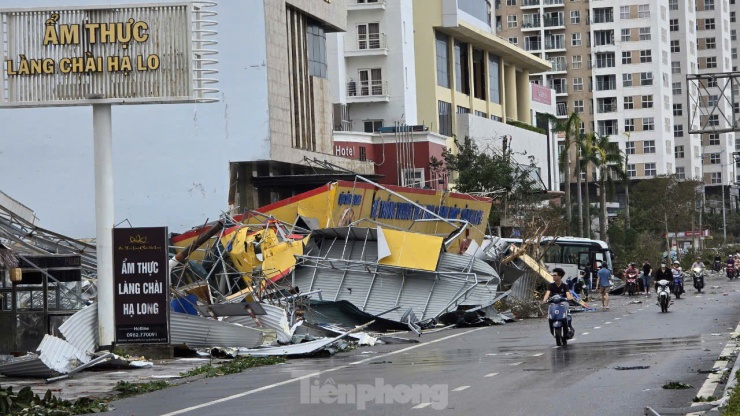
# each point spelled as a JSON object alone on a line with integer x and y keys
{"x": 706, "y": 116}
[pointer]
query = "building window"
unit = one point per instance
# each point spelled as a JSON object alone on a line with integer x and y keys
{"x": 577, "y": 84}
{"x": 676, "y": 88}
{"x": 577, "y": 62}
{"x": 480, "y": 114}
{"x": 677, "y": 110}
{"x": 444, "y": 110}
{"x": 575, "y": 17}
{"x": 708, "y": 4}
{"x": 711, "y": 62}
{"x": 608, "y": 127}
{"x": 462, "y": 68}
{"x": 650, "y": 169}
{"x": 316, "y": 48}
{"x": 493, "y": 78}
{"x": 371, "y": 126}
{"x": 605, "y": 60}
{"x": 578, "y": 106}
{"x": 675, "y": 46}
{"x": 673, "y": 5}
{"x": 514, "y": 40}
{"x": 678, "y": 130}
{"x": 675, "y": 67}
{"x": 714, "y": 159}
{"x": 648, "y": 124}
{"x": 709, "y": 24}
{"x": 733, "y": 17}
{"x": 575, "y": 39}
{"x": 626, "y": 57}
{"x": 647, "y": 101}
{"x": 712, "y": 83}
{"x": 363, "y": 153}
{"x": 413, "y": 178}
{"x": 646, "y": 78}
{"x": 624, "y": 12}
{"x": 673, "y": 25}
{"x": 710, "y": 43}
{"x": 629, "y": 125}
{"x": 626, "y": 80}
{"x": 479, "y": 74}
{"x": 511, "y": 22}
{"x": 462, "y": 110}
{"x": 443, "y": 59}
{"x": 645, "y": 33}
{"x": 648, "y": 146}
{"x": 679, "y": 152}
{"x": 643, "y": 11}
{"x": 715, "y": 178}
{"x": 646, "y": 56}
{"x": 371, "y": 82}
{"x": 713, "y": 120}
{"x": 631, "y": 171}
{"x": 603, "y": 37}
{"x": 714, "y": 139}
{"x": 680, "y": 172}
{"x": 629, "y": 103}
{"x": 626, "y": 35}
{"x": 511, "y": 2}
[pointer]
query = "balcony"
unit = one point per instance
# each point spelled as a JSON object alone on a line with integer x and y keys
{"x": 562, "y": 110}
{"x": 606, "y": 108}
{"x": 372, "y": 91}
{"x": 554, "y": 22}
{"x": 558, "y": 66}
{"x": 365, "y": 5}
{"x": 560, "y": 89}
{"x": 532, "y": 46}
{"x": 529, "y": 4}
{"x": 535, "y": 24}
{"x": 555, "y": 44}
{"x": 553, "y": 3}
{"x": 373, "y": 44}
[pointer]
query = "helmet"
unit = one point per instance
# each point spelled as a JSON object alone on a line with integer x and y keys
{"x": 676, "y": 262}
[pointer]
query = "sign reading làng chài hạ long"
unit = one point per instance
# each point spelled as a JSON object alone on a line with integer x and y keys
{"x": 109, "y": 54}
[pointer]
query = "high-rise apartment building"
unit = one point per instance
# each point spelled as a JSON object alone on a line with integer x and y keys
{"x": 622, "y": 66}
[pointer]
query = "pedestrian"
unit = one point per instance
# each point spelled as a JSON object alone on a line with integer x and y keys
{"x": 647, "y": 270}
{"x": 604, "y": 276}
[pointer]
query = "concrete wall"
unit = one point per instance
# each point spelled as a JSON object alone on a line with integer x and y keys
{"x": 171, "y": 162}
{"x": 525, "y": 144}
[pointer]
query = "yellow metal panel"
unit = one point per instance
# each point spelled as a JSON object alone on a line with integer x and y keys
{"x": 412, "y": 250}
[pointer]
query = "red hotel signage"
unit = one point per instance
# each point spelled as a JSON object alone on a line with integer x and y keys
{"x": 541, "y": 94}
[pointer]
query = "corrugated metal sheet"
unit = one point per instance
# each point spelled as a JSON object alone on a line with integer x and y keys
{"x": 383, "y": 295}
{"x": 481, "y": 294}
{"x": 449, "y": 262}
{"x": 275, "y": 319}
{"x": 81, "y": 329}
{"x": 523, "y": 288}
{"x": 196, "y": 331}
{"x": 27, "y": 366}
{"x": 60, "y": 355}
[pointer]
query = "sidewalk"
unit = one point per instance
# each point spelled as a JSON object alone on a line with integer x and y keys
{"x": 100, "y": 383}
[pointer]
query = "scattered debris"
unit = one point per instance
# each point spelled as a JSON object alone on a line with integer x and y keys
{"x": 676, "y": 385}
{"x": 635, "y": 302}
{"x": 635, "y": 367}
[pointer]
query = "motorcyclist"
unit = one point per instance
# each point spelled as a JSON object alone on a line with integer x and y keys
{"x": 631, "y": 269}
{"x": 664, "y": 273}
{"x": 677, "y": 272}
{"x": 558, "y": 287}
{"x": 697, "y": 264}
{"x": 718, "y": 261}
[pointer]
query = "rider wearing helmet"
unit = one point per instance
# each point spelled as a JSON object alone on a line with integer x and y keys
{"x": 677, "y": 272}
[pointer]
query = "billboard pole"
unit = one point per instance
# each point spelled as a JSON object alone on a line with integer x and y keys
{"x": 104, "y": 220}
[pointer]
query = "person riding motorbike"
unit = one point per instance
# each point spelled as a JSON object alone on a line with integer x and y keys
{"x": 697, "y": 264}
{"x": 677, "y": 272}
{"x": 631, "y": 269}
{"x": 558, "y": 287}
{"x": 717, "y": 265}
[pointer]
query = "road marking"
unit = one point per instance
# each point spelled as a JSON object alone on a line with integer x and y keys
{"x": 625, "y": 315}
{"x": 585, "y": 333}
{"x": 607, "y": 323}
{"x": 490, "y": 374}
{"x": 707, "y": 389}
{"x": 316, "y": 374}
{"x": 461, "y": 388}
{"x": 421, "y": 405}
{"x": 597, "y": 327}
{"x": 616, "y": 319}
{"x": 517, "y": 363}
{"x": 538, "y": 354}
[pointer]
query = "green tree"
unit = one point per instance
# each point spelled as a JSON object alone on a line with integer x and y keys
{"x": 570, "y": 128}
{"x": 608, "y": 160}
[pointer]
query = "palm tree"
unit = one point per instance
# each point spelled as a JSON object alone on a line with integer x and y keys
{"x": 570, "y": 128}
{"x": 608, "y": 157}
{"x": 589, "y": 158}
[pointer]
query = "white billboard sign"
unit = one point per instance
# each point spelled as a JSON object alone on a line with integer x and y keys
{"x": 132, "y": 54}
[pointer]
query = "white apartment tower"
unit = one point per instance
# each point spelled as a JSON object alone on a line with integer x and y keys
{"x": 372, "y": 66}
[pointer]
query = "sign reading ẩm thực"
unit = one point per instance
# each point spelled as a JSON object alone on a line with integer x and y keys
{"x": 123, "y": 54}
{"x": 141, "y": 279}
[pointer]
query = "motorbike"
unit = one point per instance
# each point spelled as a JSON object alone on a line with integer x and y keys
{"x": 631, "y": 286}
{"x": 717, "y": 266}
{"x": 730, "y": 271}
{"x": 664, "y": 294}
{"x": 677, "y": 284}
{"x": 559, "y": 320}
{"x": 698, "y": 276}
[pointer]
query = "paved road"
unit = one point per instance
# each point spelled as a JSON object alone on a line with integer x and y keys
{"x": 513, "y": 369}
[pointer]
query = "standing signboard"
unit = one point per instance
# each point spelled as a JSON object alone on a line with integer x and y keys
{"x": 140, "y": 275}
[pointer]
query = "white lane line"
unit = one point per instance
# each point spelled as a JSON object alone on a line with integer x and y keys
{"x": 707, "y": 389}
{"x": 421, "y": 405}
{"x": 490, "y": 374}
{"x": 616, "y": 319}
{"x": 597, "y": 327}
{"x": 538, "y": 354}
{"x": 461, "y": 388}
{"x": 625, "y": 315}
{"x": 585, "y": 333}
{"x": 607, "y": 323}
{"x": 517, "y": 363}
{"x": 316, "y": 374}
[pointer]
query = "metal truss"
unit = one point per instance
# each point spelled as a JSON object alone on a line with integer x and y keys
{"x": 707, "y": 116}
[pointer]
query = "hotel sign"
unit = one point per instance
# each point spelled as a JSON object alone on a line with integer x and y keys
{"x": 129, "y": 54}
{"x": 540, "y": 94}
